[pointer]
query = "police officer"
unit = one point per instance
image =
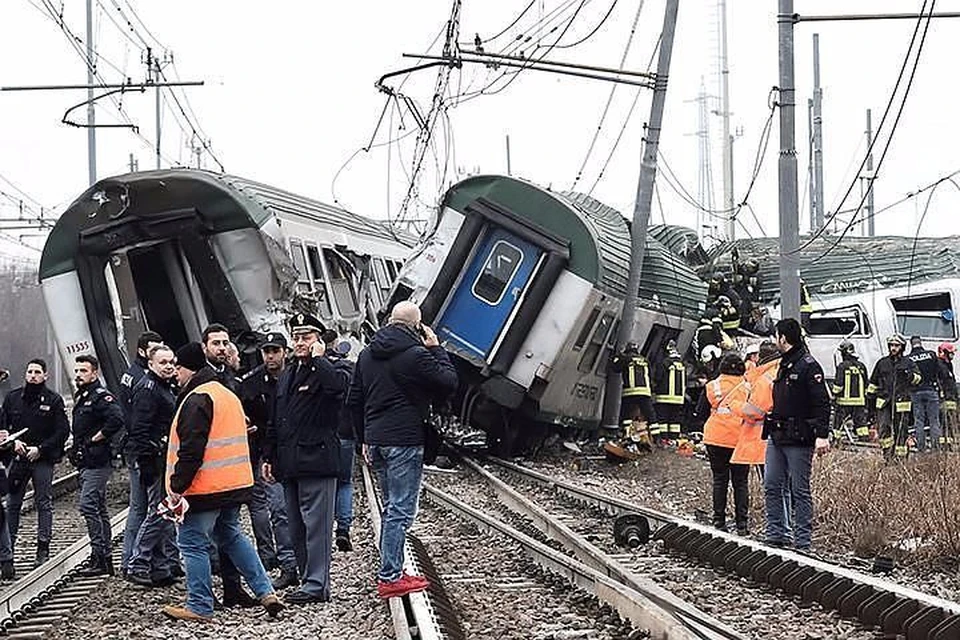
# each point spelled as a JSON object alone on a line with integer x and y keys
{"x": 303, "y": 450}
{"x": 149, "y": 553}
{"x": 41, "y": 412}
{"x": 336, "y": 352}
{"x": 891, "y": 383}
{"x": 138, "y": 368}
{"x": 797, "y": 426}
{"x": 268, "y": 510}
{"x": 850, "y": 394}
{"x": 669, "y": 389}
{"x": 948, "y": 395}
{"x": 925, "y": 399}
{"x": 806, "y": 307}
{"x": 637, "y": 400}
{"x": 97, "y": 417}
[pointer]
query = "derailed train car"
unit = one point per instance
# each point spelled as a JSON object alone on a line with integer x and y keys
{"x": 524, "y": 287}
{"x": 174, "y": 250}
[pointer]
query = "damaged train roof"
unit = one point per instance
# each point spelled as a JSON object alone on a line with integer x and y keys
{"x": 851, "y": 266}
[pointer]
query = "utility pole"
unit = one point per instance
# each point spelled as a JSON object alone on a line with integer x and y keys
{"x": 509, "y": 171}
{"x": 641, "y": 209}
{"x": 810, "y": 187}
{"x": 134, "y": 164}
{"x": 789, "y": 214}
{"x": 817, "y": 133}
{"x": 728, "y": 197}
{"x": 869, "y": 177}
{"x": 153, "y": 76}
{"x": 91, "y": 116}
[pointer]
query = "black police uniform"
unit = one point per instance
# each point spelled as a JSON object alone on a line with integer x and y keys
{"x": 42, "y": 413}
{"x": 128, "y": 382}
{"x": 925, "y": 398}
{"x": 95, "y": 410}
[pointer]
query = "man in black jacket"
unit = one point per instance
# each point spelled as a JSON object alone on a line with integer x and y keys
{"x": 302, "y": 450}
{"x": 336, "y": 352}
{"x": 925, "y": 399}
{"x": 149, "y": 547}
{"x": 41, "y": 411}
{"x": 797, "y": 426}
{"x": 268, "y": 509}
{"x": 97, "y": 417}
{"x": 208, "y": 466}
{"x": 396, "y": 378}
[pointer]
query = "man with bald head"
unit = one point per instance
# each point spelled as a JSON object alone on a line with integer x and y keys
{"x": 395, "y": 381}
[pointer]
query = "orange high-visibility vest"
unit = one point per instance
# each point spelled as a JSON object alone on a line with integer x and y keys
{"x": 226, "y": 459}
{"x": 751, "y": 449}
{"x": 725, "y": 394}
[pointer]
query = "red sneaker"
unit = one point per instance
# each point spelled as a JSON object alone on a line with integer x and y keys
{"x": 405, "y": 585}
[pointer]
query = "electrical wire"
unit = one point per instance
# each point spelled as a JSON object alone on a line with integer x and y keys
{"x": 511, "y": 25}
{"x": 594, "y": 30}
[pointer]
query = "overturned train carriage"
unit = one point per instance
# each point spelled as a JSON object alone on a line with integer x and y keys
{"x": 172, "y": 251}
{"x": 525, "y": 288}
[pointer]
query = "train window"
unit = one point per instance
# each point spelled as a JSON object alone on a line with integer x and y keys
{"x": 341, "y": 282}
{"x": 847, "y": 321}
{"x": 319, "y": 289}
{"x": 300, "y": 263}
{"x": 607, "y": 350}
{"x": 589, "y": 356}
{"x": 391, "y": 269}
{"x": 928, "y": 316}
{"x": 497, "y": 273}
{"x": 380, "y": 275}
{"x": 585, "y": 330}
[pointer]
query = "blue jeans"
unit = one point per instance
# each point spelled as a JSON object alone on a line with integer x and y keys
{"x": 400, "y": 470}
{"x": 154, "y": 549}
{"x": 135, "y": 516}
{"x": 93, "y": 508}
{"x": 199, "y": 531}
{"x": 344, "y": 513}
{"x": 788, "y": 473}
{"x": 926, "y": 413}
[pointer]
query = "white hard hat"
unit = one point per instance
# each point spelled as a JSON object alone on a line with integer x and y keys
{"x": 710, "y": 352}
{"x": 752, "y": 349}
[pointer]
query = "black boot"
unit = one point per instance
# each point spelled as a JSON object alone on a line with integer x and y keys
{"x": 234, "y": 595}
{"x": 43, "y": 554}
{"x": 343, "y": 541}
{"x": 285, "y": 580}
{"x": 7, "y": 571}
{"x": 96, "y": 566}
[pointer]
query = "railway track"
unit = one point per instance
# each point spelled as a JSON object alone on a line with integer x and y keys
{"x": 881, "y": 605}
{"x": 41, "y": 597}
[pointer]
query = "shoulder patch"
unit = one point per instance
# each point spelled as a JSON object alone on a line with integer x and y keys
{"x": 126, "y": 380}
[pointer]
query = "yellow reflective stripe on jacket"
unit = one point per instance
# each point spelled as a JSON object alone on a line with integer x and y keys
{"x": 637, "y": 378}
{"x": 949, "y": 405}
{"x": 903, "y": 406}
{"x": 872, "y": 388}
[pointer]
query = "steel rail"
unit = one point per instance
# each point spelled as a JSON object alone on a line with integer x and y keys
{"x": 631, "y": 605}
{"x": 413, "y": 615}
{"x": 876, "y": 602}
{"x": 592, "y": 556}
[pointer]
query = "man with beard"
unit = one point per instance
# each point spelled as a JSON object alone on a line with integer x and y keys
{"x": 41, "y": 412}
{"x": 894, "y": 377}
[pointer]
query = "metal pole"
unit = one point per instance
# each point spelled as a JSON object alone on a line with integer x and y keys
{"x": 509, "y": 172}
{"x": 870, "y": 228}
{"x": 91, "y": 115}
{"x": 810, "y": 187}
{"x": 156, "y": 78}
{"x": 817, "y": 131}
{"x": 789, "y": 218}
{"x": 728, "y": 197}
{"x": 641, "y": 209}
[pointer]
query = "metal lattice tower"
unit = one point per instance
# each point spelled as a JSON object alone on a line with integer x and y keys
{"x": 706, "y": 224}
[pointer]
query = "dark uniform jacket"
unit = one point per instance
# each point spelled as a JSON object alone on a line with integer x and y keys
{"x": 154, "y": 400}
{"x": 40, "y": 411}
{"x": 95, "y": 409}
{"x": 670, "y": 380}
{"x": 258, "y": 393}
{"x": 948, "y": 380}
{"x": 926, "y": 362}
{"x": 801, "y": 404}
{"x": 193, "y": 428}
{"x": 893, "y": 380}
{"x": 129, "y": 381}
{"x": 395, "y": 381}
{"x": 344, "y": 367}
{"x": 302, "y": 440}
{"x": 855, "y": 395}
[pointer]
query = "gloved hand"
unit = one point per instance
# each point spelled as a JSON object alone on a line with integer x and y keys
{"x": 173, "y": 508}
{"x": 148, "y": 470}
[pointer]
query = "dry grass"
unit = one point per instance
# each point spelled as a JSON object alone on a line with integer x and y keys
{"x": 909, "y": 510}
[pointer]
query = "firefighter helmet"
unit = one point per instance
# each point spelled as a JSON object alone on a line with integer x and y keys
{"x": 896, "y": 339}
{"x": 947, "y": 347}
{"x": 847, "y": 347}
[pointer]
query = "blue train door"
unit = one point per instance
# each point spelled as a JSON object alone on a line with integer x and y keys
{"x": 488, "y": 292}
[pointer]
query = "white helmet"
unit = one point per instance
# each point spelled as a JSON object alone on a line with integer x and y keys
{"x": 710, "y": 352}
{"x": 752, "y": 349}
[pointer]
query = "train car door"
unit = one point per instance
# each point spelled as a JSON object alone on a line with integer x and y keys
{"x": 489, "y": 290}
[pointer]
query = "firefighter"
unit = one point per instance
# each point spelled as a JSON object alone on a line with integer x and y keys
{"x": 706, "y": 335}
{"x": 729, "y": 314}
{"x": 669, "y": 388}
{"x": 948, "y": 395}
{"x": 637, "y": 404}
{"x": 850, "y": 394}
{"x": 894, "y": 377}
{"x": 806, "y": 308}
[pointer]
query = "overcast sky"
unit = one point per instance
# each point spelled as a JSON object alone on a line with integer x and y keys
{"x": 290, "y": 97}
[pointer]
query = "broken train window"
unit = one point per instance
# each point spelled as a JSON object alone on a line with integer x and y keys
{"x": 928, "y": 315}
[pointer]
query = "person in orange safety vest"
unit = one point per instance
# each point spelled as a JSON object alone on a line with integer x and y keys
{"x": 726, "y": 394}
{"x": 751, "y": 448}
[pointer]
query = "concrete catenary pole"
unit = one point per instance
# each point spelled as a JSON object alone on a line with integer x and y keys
{"x": 817, "y": 132}
{"x": 91, "y": 115}
{"x": 810, "y": 188}
{"x": 789, "y": 214}
{"x": 728, "y": 197}
{"x": 869, "y": 177}
{"x": 641, "y": 209}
